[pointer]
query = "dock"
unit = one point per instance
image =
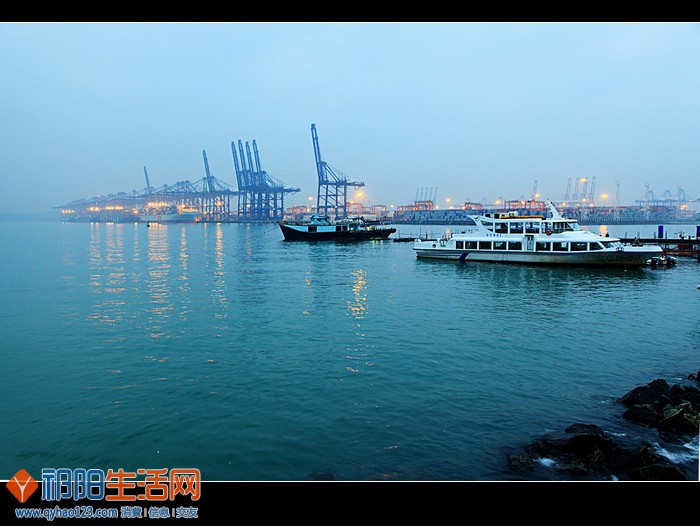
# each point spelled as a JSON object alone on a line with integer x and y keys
{"x": 409, "y": 238}
{"x": 681, "y": 246}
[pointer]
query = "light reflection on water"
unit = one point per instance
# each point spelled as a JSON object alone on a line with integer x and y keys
{"x": 357, "y": 308}
{"x": 158, "y": 286}
{"x": 256, "y": 359}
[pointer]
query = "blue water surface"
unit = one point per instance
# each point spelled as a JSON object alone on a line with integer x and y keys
{"x": 224, "y": 348}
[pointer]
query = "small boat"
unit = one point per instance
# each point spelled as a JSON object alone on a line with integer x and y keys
{"x": 555, "y": 240}
{"x": 662, "y": 261}
{"x": 322, "y": 228}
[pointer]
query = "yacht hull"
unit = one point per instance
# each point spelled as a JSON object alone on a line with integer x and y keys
{"x": 629, "y": 257}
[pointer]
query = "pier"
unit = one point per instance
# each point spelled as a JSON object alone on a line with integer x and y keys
{"x": 681, "y": 246}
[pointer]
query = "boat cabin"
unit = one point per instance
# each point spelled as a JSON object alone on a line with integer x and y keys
{"x": 512, "y": 224}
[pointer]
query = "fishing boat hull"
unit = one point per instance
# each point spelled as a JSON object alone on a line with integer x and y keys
{"x": 629, "y": 256}
{"x": 318, "y": 233}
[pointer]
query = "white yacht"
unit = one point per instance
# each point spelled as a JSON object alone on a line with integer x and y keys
{"x": 555, "y": 240}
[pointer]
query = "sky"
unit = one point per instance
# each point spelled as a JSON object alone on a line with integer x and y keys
{"x": 469, "y": 111}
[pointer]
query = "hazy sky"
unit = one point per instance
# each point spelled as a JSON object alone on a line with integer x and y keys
{"x": 477, "y": 110}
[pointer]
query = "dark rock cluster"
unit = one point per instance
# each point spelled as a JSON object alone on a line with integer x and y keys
{"x": 587, "y": 452}
{"x": 670, "y": 409}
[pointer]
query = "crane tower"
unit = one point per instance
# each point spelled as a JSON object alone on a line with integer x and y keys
{"x": 333, "y": 185}
{"x": 260, "y": 196}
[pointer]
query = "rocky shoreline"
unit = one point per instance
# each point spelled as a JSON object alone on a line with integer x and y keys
{"x": 588, "y": 452}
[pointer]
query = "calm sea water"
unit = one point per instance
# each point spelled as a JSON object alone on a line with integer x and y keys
{"x": 224, "y": 348}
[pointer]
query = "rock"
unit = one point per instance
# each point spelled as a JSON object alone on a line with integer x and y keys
{"x": 686, "y": 393}
{"x": 586, "y": 451}
{"x": 584, "y": 428}
{"x": 643, "y": 414}
{"x": 647, "y": 394}
{"x": 587, "y": 444}
{"x": 583, "y": 452}
{"x": 627, "y": 459}
{"x": 593, "y": 454}
{"x": 682, "y": 418}
{"x": 520, "y": 461}
{"x": 657, "y": 405}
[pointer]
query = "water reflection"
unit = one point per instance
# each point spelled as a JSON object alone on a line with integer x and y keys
{"x": 183, "y": 278}
{"x": 107, "y": 277}
{"x": 219, "y": 290}
{"x": 114, "y": 258}
{"x": 357, "y": 308}
{"x": 551, "y": 285}
{"x": 158, "y": 273}
{"x": 95, "y": 258}
{"x": 136, "y": 254}
{"x": 214, "y": 276}
{"x": 308, "y": 283}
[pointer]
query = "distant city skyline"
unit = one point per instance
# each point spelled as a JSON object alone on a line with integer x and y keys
{"x": 477, "y": 111}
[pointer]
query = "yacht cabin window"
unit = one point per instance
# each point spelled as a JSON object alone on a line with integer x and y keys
{"x": 565, "y": 226}
{"x": 516, "y": 227}
{"x": 532, "y": 227}
{"x": 612, "y": 244}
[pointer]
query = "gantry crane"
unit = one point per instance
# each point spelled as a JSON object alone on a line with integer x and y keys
{"x": 332, "y": 196}
{"x": 260, "y": 196}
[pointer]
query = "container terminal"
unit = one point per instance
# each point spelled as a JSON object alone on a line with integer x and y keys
{"x": 259, "y": 197}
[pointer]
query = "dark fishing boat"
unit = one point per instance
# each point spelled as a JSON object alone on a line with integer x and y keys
{"x": 322, "y": 228}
